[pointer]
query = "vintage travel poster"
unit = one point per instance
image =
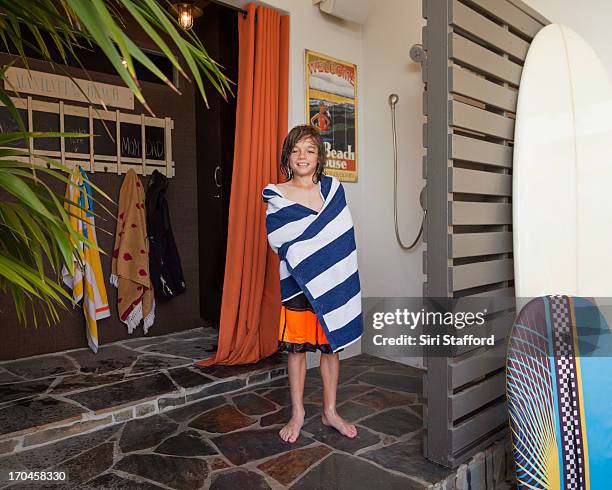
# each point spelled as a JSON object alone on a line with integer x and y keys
{"x": 331, "y": 106}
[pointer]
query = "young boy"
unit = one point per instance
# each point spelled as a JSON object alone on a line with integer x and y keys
{"x": 308, "y": 202}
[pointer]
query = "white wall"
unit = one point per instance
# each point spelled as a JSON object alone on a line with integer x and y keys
{"x": 589, "y": 18}
{"x": 389, "y": 271}
{"x": 391, "y": 29}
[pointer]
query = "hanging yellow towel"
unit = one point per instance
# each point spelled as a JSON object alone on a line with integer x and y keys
{"x": 130, "y": 265}
{"x": 87, "y": 281}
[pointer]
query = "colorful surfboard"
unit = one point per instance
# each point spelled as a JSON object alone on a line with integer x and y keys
{"x": 559, "y": 397}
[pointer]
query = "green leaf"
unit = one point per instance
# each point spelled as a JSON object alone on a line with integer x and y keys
{"x": 99, "y": 31}
{"x": 11, "y": 219}
{"x": 23, "y": 192}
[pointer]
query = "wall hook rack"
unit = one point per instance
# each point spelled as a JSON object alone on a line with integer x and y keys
{"x": 112, "y": 141}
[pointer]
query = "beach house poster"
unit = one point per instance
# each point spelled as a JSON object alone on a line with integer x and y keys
{"x": 331, "y": 106}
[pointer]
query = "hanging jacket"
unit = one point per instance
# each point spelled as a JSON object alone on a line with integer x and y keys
{"x": 164, "y": 261}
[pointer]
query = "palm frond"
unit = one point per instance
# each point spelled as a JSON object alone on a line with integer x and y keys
{"x": 36, "y": 239}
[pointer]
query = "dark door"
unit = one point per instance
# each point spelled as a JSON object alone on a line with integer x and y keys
{"x": 215, "y": 126}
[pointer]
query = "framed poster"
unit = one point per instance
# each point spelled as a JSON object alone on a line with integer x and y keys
{"x": 331, "y": 106}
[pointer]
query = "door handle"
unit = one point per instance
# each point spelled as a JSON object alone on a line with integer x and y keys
{"x": 217, "y": 170}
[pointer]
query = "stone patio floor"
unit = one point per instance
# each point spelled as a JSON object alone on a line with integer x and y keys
{"x": 231, "y": 441}
{"x": 50, "y": 397}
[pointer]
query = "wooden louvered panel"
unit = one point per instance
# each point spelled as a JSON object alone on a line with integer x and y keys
{"x": 474, "y": 367}
{"x": 478, "y": 151}
{"x": 479, "y": 425}
{"x": 472, "y": 244}
{"x": 478, "y": 395}
{"x": 478, "y": 182}
{"x": 487, "y": 30}
{"x": 484, "y": 60}
{"x": 465, "y": 82}
{"x": 509, "y": 14}
{"x": 475, "y": 51}
{"x": 480, "y": 213}
{"x": 481, "y": 273}
{"x": 485, "y": 122}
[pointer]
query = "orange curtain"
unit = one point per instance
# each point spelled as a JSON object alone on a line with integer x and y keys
{"x": 250, "y": 307}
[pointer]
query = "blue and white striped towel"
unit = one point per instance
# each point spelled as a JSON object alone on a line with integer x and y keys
{"x": 318, "y": 256}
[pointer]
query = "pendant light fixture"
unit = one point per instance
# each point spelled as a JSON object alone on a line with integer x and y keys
{"x": 186, "y": 12}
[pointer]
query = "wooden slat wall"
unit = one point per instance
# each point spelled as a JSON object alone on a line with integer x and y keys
{"x": 489, "y": 390}
{"x": 465, "y": 370}
{"x": 478, "y": 182}
{"x": 475, "y": 52}
{"x": 474, "y": 244}
{"x": 466, "y": 82}
{"x": 482, "y": 60}
{"x": 479, "y": 151}
{"x": 480, "y": 425}
{"x": 490, "y": 33}
{"x": 480, "y": 213}
{"x": 465, "y": 116}
{"x": 478, "y": 273}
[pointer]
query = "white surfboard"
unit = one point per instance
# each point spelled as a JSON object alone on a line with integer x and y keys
{"x": 562, "y": 170}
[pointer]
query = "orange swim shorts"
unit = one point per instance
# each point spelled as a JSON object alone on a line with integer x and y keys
{"x": 301, "y": 331}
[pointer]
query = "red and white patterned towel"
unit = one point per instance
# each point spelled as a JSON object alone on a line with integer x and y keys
{"x": 130, "y": 264}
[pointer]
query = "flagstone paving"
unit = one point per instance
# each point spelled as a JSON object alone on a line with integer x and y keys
{"x": 231, "y": 441}
{"x": 47, "y": 398}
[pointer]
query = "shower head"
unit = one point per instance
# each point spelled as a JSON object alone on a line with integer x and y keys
{"x": 393, "y": 99}
{"x": 417, "y": 53}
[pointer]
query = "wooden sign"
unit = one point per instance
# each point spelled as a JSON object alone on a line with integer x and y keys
{"x": 61, "y": 87}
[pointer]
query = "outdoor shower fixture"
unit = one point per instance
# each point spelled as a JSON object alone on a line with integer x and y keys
{"x": 417, "y": 53}
{"x": 393, "y": 100}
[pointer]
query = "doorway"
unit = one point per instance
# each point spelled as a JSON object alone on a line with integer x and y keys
{"x": 215, "y": 128}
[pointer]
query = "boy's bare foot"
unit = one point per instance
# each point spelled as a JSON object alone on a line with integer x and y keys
{"x": 291, "y": 431}
{"x": 332, "y": 419}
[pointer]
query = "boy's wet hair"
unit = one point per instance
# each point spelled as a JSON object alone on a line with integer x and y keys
{"x": 297, "y": 134}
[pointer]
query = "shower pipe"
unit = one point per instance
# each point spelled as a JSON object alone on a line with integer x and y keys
{"x": 393, "y": 100}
